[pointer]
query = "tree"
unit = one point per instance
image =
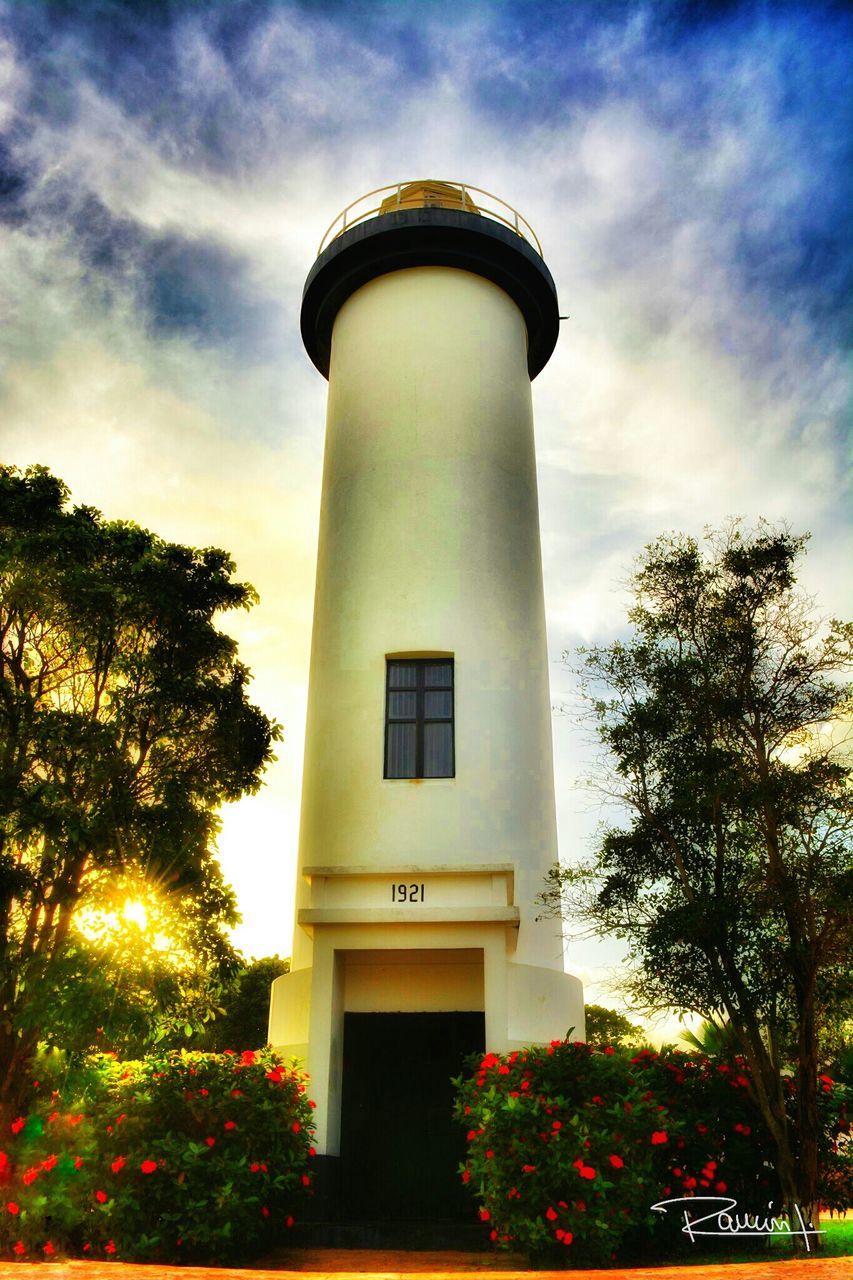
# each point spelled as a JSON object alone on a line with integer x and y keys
{"x": 124, "y": 723}
{"x": 606, "y": 1026}
{"x": 723, "y": 720}
{"x": 243, "y": 1021}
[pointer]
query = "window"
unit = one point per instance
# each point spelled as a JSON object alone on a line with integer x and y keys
{"x": 419, "y": 718}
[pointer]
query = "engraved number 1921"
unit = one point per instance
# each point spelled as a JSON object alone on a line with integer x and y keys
{"x": 407, "y": 893}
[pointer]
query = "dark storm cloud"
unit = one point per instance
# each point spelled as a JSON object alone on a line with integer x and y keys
{"x": 746, "y": 107}
{"x": 13, "y": 186}
{"x": 221, "y": 86}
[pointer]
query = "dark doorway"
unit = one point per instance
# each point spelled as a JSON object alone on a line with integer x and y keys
{"x": 400, "y": 1147}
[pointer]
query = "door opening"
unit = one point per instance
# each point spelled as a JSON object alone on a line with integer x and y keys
{"x": 400, "y": 1147}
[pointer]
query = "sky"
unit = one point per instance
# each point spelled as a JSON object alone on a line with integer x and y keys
{"x": 167, "y": 171}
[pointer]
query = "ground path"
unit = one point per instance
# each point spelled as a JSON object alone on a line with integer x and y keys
{"x": 386, "y": 1264}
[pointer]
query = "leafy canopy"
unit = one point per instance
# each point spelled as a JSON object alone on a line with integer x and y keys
{"x": 124, "y": 723}
{"x": 725, "y": 720}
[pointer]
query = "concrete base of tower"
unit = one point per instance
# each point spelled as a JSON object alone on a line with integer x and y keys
{"x": 542, "y": 1005}
{"x": 518, "y": 1004}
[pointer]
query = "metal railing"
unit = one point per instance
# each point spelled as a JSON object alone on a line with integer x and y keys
{"x": 503, "y": 213}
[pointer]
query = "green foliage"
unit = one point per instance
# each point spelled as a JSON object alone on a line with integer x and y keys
{"x": 723, "y": 719}
{"x": 124, "y": 723}
{"x": 178, "y": 1157}
{"x": 606, "y": 1026}
{"x": 245, "y": 998}
{"x": 569, "y": 1146}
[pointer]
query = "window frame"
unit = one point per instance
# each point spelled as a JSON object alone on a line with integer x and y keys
{"x": 420, "y": 719}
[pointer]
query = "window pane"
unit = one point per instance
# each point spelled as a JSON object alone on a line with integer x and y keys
{"x": 402, "y": 675}
{"x": 438, "y": 675}
{"x": 400, "y": 762}
{"x": 402, "y": 706}
{"x": 438, "y": 751}
{"x": 438, "y": 704}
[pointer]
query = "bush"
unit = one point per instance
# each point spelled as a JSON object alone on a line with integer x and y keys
{"x": 179, "y": 1157}
{"x": 566, "y": 1148}
{"x": 569, "y": 1146}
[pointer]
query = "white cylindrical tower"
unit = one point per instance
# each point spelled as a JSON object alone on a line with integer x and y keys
{"x": 428, "y": 820}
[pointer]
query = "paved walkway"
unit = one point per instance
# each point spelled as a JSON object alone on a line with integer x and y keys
{"x": 337, "y": 1264}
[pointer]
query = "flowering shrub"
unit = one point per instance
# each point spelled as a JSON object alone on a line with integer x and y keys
{"x": 566, "y": 1148}
{"x": 181, "y": 1156}
{"x": 570, "y": 1146}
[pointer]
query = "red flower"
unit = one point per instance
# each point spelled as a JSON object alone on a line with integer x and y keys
{"x": 311, "y": 1151}
{"x": 49, "y": 1249}
{"x": 148, "y": 1166}
{"x": 490, "y": 1155}
{"x": 101, "y": 1197}
{"x": 204, "y": 1093}
{"x": 690, "y": 1183}
{"x": 701, "y": 1128}
{"x": 289, "y": 1220}
{"x": 265, "y": 1211}
{"x": 551, "y": 1214}
{"x": 597, "y": 1099}
{"x": 617, "y": 1162}
{"x": 247, "y": 1057}
{"x": 587, "y": 1171}
{"x": 609, "y": 1049}
{"x": 110, "y": 1246}
{"x": 31, "y": 1175}
{"x": 211, "y": 1142}
{"x": 254, "y": 1168}
{"x": 503, "y": 1070}
{"x": 275, "y": 1076}
{"x": 118, "y": 1164}
{"x": 229, "y": 1124}
{"x": 312, "y": 1104}
{"x": 78, "y": 1163}
{"x": 236, "y": 1093}
{"x": 466, "y": 1176}
{"x": 556, "y": 1125}
{"x": 721, "y": 1187}
{"x": 528, "y": 1168}
{"x": 306, "y": 1180}
{"x": 54, "y": 1115}
{"x": 19, "y": 1248}
{"x": 580, "y": 1205}
{"x": 49, "y": 1163}
{"x": 295, "y": 1127}
{"x": 484, "y": 1215}
{"x": 659, "y": 1137}
{"x": 567, "y": 1237}
{"x": 12, "y": 1207}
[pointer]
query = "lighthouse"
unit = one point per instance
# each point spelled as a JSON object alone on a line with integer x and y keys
{"x": 428, "y": 817}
